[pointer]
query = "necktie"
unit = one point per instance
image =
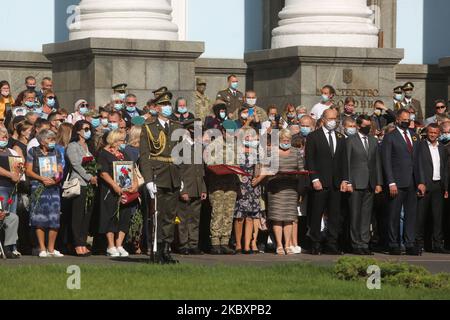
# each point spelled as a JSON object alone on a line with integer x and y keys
{"x": 330, "y": 139}
{"x": 166, "y": 127}
{"x": 366, "y": 145}
{"x": 408, "y": 142}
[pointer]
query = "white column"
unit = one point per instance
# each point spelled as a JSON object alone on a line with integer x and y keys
{"x": 326, "y": 23}
{"x": 125, "y": 19}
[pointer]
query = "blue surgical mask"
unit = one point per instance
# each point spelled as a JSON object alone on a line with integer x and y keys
{"x": 223, "y": 115}
{"x": 131, "y": 109}
{"x": 444, "y": 138}
{"x": 234, "y": 85}
{"x": 87, "y": 135}
{"x": 251, "y": 144}
{"x": 285, "y": 146}
{"x": 104, "y": 122}
{"x": 122, "y": 96}
{"x": 350, "y": 131}
{"x": 84, "y": 110}
{"x": 29, "y": 104}
{"x": 51, "y": 145}
{"x": 398, "y": 97}
{"x": 325, "y": 98}
{"x": 305, "y": 131}
{"x": 51, "y": 102}
{"x": 95, "y": 123}
{"x": 3, "y": 144}
{"x": 291, "y": 116}
{"x": 153, "y": 112}
{"x": 122, "y": 146}
{"x": 38, "y": 110}
{"x": 299, "y": 116}
{"x": 113, "y": 126}
{"x": 166, "y": 111}
{"x": 182, "y": 110}
{"x": 118, "y": 106}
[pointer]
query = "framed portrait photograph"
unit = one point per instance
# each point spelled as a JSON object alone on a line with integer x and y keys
{"x": 123, "y": 173}
{"x": 48, "y": 167}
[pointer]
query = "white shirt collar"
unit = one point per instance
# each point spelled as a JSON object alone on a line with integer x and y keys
{"x": 363, "y": 136}
{"x": 431, "y": 145}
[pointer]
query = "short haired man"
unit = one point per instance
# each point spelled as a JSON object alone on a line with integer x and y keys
{"x": 30, "y": 83}
{"x": 232, "y": 97}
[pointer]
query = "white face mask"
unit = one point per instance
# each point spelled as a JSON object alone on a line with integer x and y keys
{"x": 251, "y": 102}
{"x": 331, "y": 125}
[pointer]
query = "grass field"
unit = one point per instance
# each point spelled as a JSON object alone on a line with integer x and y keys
{"x": 193, "y": 282}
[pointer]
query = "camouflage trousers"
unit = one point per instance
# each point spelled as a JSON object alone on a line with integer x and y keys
{"x": 222, "y": 203}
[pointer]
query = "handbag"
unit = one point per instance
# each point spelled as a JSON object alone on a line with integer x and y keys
{"x": 71, "y": 188}
{"x": 140, "y": 177}
{"x": 130, "y": 197}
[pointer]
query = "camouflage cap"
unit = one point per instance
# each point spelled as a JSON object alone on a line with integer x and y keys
{"x": 200, "y": 81}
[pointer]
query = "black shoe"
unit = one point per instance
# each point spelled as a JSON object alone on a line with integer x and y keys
{"x": 247, "y": 252}
{"x": 238, "y": 252}
{"x": 227, "y": 251}
{"x": 166, "y": 257}
{"x": 11, "y": 255}
{"x": 359, "y": 252}
{"x": 196, "y": 252}
{"x": 441, "y": 250}
{"x": 156, "y": 257}
{"x": 395, "y": 251}
{"x": 332, "y": 251}
{"x": 215, "y": 250}
{"x": 413, "y": 251}
{"x": 315, "y": 250}
{"x": 184, "y": 251}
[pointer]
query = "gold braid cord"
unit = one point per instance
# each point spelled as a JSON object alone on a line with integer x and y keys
{"x": 156, "y": 144}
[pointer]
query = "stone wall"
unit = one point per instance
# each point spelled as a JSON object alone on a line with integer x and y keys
{"x": 15, "y": 66}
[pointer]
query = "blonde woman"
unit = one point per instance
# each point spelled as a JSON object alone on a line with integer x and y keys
{"x": 134, "y": 139}
{"x": 114, "y": 215}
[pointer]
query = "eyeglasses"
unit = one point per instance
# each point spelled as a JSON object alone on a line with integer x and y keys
{"x": 441, "y": 107}
{"x": 84, "y": 105}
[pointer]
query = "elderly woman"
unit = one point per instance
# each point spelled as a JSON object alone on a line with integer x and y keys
{"x": 77, "y": 150}
{"x": 115, "y": 216}
{"x": 301, "y": 112}
{"x": 81, "y": 108}
{"x": 9, "y": 177}
{"x": 181, "y": 113}
{"x": 283, "y": 193}
{"x": 44, "y": 168}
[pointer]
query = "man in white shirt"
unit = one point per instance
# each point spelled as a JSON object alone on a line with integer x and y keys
{"x": 328, "y": 93}
{"x": 434, "y": 160}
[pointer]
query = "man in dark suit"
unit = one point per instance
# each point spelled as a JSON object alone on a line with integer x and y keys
{"x": 404, "y": 177}
{"x": 193, "y": 192}
{"x": 365, "y": 178}
{"x": 434, "y": 161}
{"x": 326, "y": 159}
{"x": 162, "y": 176}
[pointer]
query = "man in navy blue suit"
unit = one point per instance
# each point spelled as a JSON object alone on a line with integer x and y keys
{"x": 405, "y": 179}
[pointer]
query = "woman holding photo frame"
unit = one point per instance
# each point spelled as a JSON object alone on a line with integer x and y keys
{"x": 44, "y": 168}
{"x": 117, "y": 180}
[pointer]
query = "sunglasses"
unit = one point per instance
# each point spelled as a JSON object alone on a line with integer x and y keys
{"x": 441, "y": 107}
{"x": 131, "y": 103}
{"x": 84, "y": 105}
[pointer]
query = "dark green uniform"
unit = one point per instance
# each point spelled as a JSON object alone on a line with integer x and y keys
{"x": 194, "y": 186}
{"x": 157, "y": 166}
{"x": 233, "y": 99}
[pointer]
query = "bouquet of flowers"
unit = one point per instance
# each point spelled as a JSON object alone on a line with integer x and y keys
{"x": 91, "y": 166}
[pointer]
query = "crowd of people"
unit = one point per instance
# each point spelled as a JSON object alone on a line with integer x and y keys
{"x": 104, "y": 179}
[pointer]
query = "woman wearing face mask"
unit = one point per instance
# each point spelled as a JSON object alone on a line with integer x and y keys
{"x": 8, "y": 178}
{"x": 49, "y": 100}
{"x": 181, "y": 113}
{"x": 220, "y": 115}
{"x": 290, "y": 114}
{"x": 283, "y": 194}
{"x": 6, "y": 99}
{"x": 114, "y": 226}
{"x": 81, "y": 108}
{"x": 76, "y": 151}
{"x": 247, "y": 120}
{"x": 45, "y": 202}
{"x": 248, "y": 204}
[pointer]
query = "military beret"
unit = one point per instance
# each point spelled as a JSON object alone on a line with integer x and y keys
{"x": 122, "y": 87}
{"x": 163, "y": 98}
{"x": 408, "y": 86}
{"x": 160, "y": 91}
{"x": 201, "y": 81}
{"x": 398, "y": 89}
{"x": 138, "y": 121}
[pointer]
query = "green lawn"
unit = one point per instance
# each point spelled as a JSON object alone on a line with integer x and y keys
{"x": 192, "y": 282}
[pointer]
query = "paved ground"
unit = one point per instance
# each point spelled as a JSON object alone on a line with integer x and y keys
{"x": 433, "y": 262}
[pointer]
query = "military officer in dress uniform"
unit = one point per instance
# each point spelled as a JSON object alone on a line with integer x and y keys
{"x": 158, "y": 92}
{"x": 202, "y": 102}
{"x": 121, "y": 89}
{"x": 232, "y": 96}
{"x": 193, "y": 192}
{"x": 409, "y": 101}
{"x": 398, "y": 98}
{"x": 162, "y": 176}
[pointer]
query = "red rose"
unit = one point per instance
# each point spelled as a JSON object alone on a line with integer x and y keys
{"x": 87, "y": 160}
{"x": 124, "y": 171}
{"x": 10, "y": 201}
{"x": 1, "y": 198}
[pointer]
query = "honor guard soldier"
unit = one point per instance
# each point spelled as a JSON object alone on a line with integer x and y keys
{"x": 162, "y": 176}
{"x": 398, "y": 98}
{"x": 158, "y": 92}
{"x": 121, "y": 89}
{"x": 232, "y": 96}
{"x": 202, "y": 102}
{"x": 409, "y": 101}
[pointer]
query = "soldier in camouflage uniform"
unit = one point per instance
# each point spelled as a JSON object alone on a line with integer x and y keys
{"x": 222, "y": 193}
{"x": 202, "y": 102}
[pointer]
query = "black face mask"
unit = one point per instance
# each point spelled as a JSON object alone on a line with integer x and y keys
{"x": 365, "y": 130}
{"x": 404, "y": 125}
